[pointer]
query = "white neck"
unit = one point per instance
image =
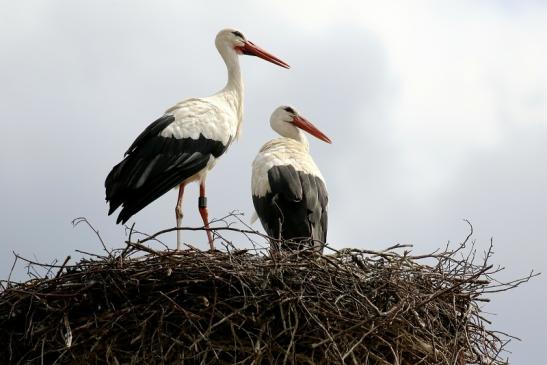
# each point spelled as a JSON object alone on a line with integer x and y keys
{"x": 234, "y": 89}
{"x": 301, "y": 137}
{"x": 231, "y": 60}
{"x": 288, "y": 130}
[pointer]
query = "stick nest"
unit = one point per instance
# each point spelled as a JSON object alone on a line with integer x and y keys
{"x": 141, "y": 306}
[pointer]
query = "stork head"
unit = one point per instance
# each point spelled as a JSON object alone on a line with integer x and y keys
{"x": 231, "y": 40}
{"x": 286, "y": 121}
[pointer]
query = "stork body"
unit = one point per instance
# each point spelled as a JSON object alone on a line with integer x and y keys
{"x": 288, "y": 190}
{"x": 184, "y": 144}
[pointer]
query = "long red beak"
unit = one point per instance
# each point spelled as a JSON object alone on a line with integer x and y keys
{"x": 249, "y": 48}
{"x": 307, "y": 126}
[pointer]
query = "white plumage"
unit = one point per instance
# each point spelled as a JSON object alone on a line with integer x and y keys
{"x": 211, "y": 117}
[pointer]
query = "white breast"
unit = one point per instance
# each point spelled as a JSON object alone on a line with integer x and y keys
{"x": 279, "y": 152}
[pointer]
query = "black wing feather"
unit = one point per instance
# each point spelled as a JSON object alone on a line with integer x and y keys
{"x": 285, "y": 180}
{"x": 151, "y": 131}
{"x": 296, "y": 207}
{"x": 153, "y": 165}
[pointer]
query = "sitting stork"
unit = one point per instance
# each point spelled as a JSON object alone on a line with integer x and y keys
{"x": 184, "y": 144}
{"x": 289, "y": 192}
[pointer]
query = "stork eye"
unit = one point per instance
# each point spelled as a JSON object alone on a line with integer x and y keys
{"x": 290, "y": 110}
{"x": 238, "y": 34}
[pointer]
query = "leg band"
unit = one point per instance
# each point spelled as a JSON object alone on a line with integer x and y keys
{"x": 202, "y": 202}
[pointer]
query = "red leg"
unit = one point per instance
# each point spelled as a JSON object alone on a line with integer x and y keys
{"x": 202, "y": 203}
{"x": 178, "y": 213}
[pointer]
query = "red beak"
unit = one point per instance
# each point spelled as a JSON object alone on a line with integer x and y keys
{"x": 307, "y": 126}
{"x": 249, "y": 48}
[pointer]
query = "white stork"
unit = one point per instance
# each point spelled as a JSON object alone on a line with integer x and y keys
{"x": 184, "y": 144}
{"x": 289, "y": 192}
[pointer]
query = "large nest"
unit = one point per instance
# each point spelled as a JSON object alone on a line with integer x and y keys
{"x": 142, "y": 306}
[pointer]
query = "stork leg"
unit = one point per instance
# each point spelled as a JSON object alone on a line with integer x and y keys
{"x": 202, "y": 203}
{"x": 178, "y": 214}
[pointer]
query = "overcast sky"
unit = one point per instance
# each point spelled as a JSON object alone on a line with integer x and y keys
{"x": 437, "y": 111}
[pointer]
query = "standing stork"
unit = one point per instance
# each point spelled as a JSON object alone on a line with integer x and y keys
{"x": 184, "y": 144}
{"x": 289, "y": 192}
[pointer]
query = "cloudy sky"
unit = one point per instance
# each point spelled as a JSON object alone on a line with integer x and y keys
{"x": 437, "y": 110}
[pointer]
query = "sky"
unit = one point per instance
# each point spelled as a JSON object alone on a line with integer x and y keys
{"x": 437, "y": 112}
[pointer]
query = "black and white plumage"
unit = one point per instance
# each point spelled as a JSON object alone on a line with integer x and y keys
{"x": 184, "y": 144}
{"x": 289, "y": 193}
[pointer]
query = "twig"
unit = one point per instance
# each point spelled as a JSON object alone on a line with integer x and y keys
{"x": 79, "y": 220}
{"x": 62, "y": 267}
